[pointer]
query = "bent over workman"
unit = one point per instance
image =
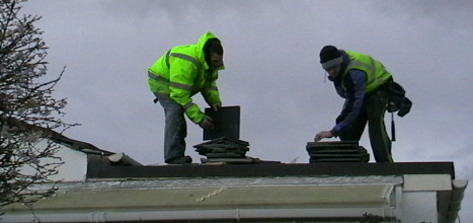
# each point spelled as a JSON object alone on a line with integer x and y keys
{"x": 174, "y": 78}
{"x": 363, "y": 82}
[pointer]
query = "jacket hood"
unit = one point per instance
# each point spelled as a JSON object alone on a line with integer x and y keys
{"x": 200, "y": 45}
{"x": 204, "y": 38}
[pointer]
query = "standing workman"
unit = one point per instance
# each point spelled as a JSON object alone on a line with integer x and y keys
{"x": 363, "y": 82}
{"x": 174, "y": 78}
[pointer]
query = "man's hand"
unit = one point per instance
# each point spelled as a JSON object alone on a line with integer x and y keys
{"x": 217, "y": 106}
{"x": 323, "y": 134}
{"x": 207, "y": 123}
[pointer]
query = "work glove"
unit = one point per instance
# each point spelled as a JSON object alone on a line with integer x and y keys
{"x": 216, "y": 106}
{"x": 207, "y": 123}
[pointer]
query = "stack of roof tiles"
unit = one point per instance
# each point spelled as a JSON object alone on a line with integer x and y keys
{"x": 224, "y": 150}
{"x": 346, "y": 151}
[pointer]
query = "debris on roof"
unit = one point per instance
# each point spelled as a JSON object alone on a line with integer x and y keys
{"x": 123, "y": 160}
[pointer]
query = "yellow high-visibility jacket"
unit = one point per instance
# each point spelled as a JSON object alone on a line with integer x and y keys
{"x": 376, "y": 74}
{"x": 183, "y": 72}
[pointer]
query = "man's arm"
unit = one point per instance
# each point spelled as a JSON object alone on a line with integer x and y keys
{"x": 351, "y": 108}
{"x": 181, "y": 86}
{"x": 211, "y": 93}
{"x": 354, "y": 101}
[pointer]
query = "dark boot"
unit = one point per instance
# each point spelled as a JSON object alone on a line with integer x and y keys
{"x": 180, "y": 160}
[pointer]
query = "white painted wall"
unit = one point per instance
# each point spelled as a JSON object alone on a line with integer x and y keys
{"x": 420, "y": 206}
{"x": 74, "y": 167}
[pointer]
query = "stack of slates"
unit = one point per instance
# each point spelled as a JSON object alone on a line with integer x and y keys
{"x": 346, "y": 151}
{"x": 224, "y": 150}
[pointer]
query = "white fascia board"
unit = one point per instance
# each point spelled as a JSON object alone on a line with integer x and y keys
{"x": 427, "y": 182}
{"x": 230, "y": 198}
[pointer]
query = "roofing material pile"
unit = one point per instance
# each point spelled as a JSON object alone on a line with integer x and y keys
{"x": 346, "y": 151}
{"x": 224, "y": 150}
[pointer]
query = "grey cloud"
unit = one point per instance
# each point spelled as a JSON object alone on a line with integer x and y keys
{"x": 443, "y": 12}
{"x": 181, "y": 9}
{"x": 271, "y": 50}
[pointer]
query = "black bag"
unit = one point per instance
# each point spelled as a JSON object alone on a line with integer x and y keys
{"x": 398, "y": 102}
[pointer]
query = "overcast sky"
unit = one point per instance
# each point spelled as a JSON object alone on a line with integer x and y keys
{"x": 272, "y": 71}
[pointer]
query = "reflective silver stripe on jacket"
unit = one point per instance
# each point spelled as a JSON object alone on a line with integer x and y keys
{"x": 186, "y": 57}
{"x": 180, "y": 86}
{"x": 371, "y": 67}
{"x": 378, "y": 80}
{"x": 188, "y": 105}
{"x": 156, "y": 77}
{"x": 355, "y": 63}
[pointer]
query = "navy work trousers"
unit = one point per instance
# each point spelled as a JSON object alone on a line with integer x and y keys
{"x": 374, "y": 108}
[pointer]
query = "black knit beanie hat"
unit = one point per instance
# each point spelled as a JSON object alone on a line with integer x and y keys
{"x": 330, "y": 56}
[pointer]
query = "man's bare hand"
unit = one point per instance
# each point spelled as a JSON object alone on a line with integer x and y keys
{"x": 322, "y": 135}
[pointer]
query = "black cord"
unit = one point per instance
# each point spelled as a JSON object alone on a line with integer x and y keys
{"x": 393, "y": 128}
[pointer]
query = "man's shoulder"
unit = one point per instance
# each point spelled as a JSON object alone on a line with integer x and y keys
{"x": 357, "y": 73}
{"x": 184, "y": 49}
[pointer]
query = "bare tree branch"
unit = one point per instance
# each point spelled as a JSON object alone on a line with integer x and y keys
{"x": 29, "y": 114}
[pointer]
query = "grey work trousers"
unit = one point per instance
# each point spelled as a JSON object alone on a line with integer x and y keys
{"x": 374, "y": 108}
{"x": 175, "y": 129}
